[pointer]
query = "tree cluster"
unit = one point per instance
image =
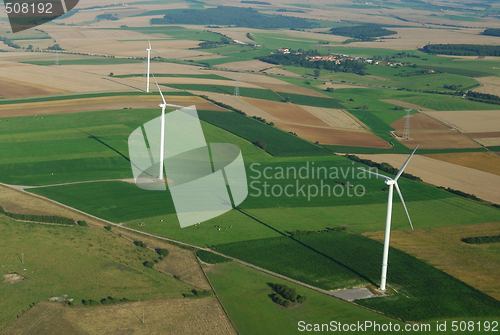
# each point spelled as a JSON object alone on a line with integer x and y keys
{"x": 110, "y": 17}
{"x": 286, "y": 296}
{"x": 233, "y": 16}
{"x": 462, "y": 49}
{"x": 38, "y": 218}
{"x": 363, "y": 32}
{"x": 491, "y": 32}
{"x": 9, "y": 42}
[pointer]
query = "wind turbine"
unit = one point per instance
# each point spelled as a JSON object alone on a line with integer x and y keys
{"x": 162, "y": 128}
{"x": 149, "y": 63}
{"x": 391, "y": 183}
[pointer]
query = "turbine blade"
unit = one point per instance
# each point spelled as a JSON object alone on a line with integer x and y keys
{"x": 376, "y": 174}
{"x": 400, "y": 172}
{"x": 404, "y": 205}
{"x": 162, "y": 97}
{"x": 156, "y": 52}
{"x": 149, "y": 42}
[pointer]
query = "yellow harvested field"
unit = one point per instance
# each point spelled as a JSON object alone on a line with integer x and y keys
{"x": 331, "y": 136}
{"x": 201, "y": 81}
{"x": 175, "y": 316}
{"x": 480, "y": 121}
{"x": 442, "y": 247}
{"x": 490, "y": 85}
{"x": 250, "y": 65}
{"x": 413, "y": 38}
{"x": 286, "y": 112}
{"x": 488, "y": 141}
{"x": 482, "y": 184}
{"x": 336, "y": 118}
{"x": 16, "y": 89}
{"x": 447, "y": 139}
{"x": 419, "y": 122}
{"x": 482, "y": 161}
{"x": 136, "y": 68}
{"x": 97, "y": 104}
{"x": 61, "y": 78}
{"x": 238, "y": 103}
{"x": 406, "y": 104}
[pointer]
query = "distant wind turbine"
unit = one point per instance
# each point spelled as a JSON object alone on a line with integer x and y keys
{"x": 391, "y": 183}
{"x": 162, "y": 129}
{"x": 149, "y": 63}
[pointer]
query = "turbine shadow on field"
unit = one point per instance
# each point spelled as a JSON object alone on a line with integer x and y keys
{"x": 105, "y": 144}
{"x": 360, "y": 275}
{"x": 110, "y": 147}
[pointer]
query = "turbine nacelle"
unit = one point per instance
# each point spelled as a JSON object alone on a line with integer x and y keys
{"x": 390, "y": 182}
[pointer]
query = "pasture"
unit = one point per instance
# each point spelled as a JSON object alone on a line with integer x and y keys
{"x": 244, "y": 292}
{"x": 337, "y": 259}
{"x": 81, "y": 263}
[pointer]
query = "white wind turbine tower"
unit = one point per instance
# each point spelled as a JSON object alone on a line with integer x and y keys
{"x": 162, "y": 128}
{"x": 149, "y": 63}
{"x": 391, "y": 183}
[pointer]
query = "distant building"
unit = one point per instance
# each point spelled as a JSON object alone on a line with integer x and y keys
{"x": 284, "y": 50}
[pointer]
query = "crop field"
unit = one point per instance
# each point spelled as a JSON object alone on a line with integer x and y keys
{"x": 447, "y": 139}
{"x": 331, "y": 136}
{"x": 193, "y": 316}
{"x": 278, "y": 143}
{"x": 470, "y": 121}
{"x": 335, "y": 118}
{"x": 99, "y": 103}
{"x": 287, "y": 113}
{"x": 14, "y": 89}
{"x": 482, "y": 161}
{"x": 331, "y": 264}
{"x": 489, "y": 85}
{"x": 442, "y": 247}
{"x": 82, "y": 146}
{"x": 446, "y": 174}
{"x": 244, "y": 91}
{"x": 419, "y": 122}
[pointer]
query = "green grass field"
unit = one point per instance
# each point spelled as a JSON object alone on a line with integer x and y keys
{"x": 244, "y": 292}
{"x": 278, "y": 142}
{"x": 83, "y": 263}
{"x": 244, "y": 91}
{"x": 338, "y": 259}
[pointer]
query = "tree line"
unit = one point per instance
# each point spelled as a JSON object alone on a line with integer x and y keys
{"x": 233, "y": 16}
{"x": 491, "y": 32}
{"x": 38, "y": 218}
{"x": 363, "y": 32}
{"x": 462, "y": 49}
